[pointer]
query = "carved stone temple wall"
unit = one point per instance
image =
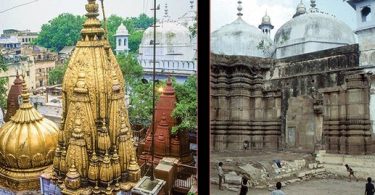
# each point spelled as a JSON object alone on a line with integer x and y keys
{"x": 347, "y": 125}
{"x": 291, "y": 103}
{"x": 242, "y": 110}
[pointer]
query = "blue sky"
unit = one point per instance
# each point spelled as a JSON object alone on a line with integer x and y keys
{"x": 33, "y": 15}
{"x": 280, "y": 11}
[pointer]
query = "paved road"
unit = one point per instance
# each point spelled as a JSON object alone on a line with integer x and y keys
{"x": 313, "y": 187}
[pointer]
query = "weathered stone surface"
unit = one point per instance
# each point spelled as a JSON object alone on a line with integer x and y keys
{"x": 291, "y": 103}
{"x": 233, "y": 178}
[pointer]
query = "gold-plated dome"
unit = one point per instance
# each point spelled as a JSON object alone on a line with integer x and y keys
{"x": 27, "y": 144}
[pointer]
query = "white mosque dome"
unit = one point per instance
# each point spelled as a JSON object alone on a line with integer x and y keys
{"x": 167, "y": 33}
{"x": 122, "y": 31}
{"x": 241, "y": 38}
{"x": 312, "y": 31}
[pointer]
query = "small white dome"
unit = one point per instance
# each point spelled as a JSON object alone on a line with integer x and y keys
{"x": 122, "y": 31}
{"x": 241, "y": 38}
{"x": 167, "y": 33}
{"x": 266, "y": 19}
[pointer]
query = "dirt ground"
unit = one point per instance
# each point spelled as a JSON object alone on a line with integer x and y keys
{"x": 312, "y": 187}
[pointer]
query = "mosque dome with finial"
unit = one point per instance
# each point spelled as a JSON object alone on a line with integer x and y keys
{"x": 168, "y": 32}
{"x": 310, "y": 32}
{"x": 241, "y": 38}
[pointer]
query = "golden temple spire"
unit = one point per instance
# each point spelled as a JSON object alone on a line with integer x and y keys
{"x": 72, "y": 180}
{"x": 106, "y": 171}
{"x": 93, "y": 95}
{"x": 92, "y": 26}
{"x": 93, "y": 172}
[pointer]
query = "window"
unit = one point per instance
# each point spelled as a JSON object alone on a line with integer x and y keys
{"x": 124, "y": 42}
{"x": 119, "y": 42}
{"x": 365, "y": 12}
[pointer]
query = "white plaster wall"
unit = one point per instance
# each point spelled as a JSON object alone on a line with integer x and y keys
{"x": 304, "y": 47}
{"x": 359, "y": 7}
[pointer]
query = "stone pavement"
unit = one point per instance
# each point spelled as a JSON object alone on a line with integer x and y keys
{"x": 312, "y": 187}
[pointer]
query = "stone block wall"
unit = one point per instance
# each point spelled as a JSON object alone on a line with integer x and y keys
{"x": 242, "y": 111}
{"x": 253, "y": 100}
{"x": 347, "y": 125}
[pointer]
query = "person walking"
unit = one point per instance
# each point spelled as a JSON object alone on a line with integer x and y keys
{"x": 369, "y": 187}
{"x": 351, "y": 172}
{"x": 221, "y": 175}
{"x": 278, "y": 190}
{"x": 244, "y": 186}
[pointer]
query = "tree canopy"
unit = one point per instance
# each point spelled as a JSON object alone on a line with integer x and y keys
{"x": 56, "y": 75}
{"x": 186, "y": 108}
{"x": 3, "y": 84}
{"x": 140, "y": 93}
{"x": 64, "y": 30}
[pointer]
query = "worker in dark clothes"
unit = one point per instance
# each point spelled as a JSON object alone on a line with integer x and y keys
{"x": 351, "y": 172}
{"x": 369, "y": 187}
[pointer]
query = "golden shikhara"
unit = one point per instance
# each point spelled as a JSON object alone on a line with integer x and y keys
{"x": 95, "y": 145}
{"x": 27, "y": 146}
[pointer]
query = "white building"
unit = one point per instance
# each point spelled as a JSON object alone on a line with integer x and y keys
{"x": 122, "y": 40}
{"x": 10, "y": 42}
{"x": 175, "y": 50}
{"x": 308, "y": 31}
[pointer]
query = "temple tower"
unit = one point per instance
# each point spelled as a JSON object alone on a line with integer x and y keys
{"x": 122, "y": 39}
{"x": 266, "y": 25}
{"x": 365, "y": 13}
{"x": 95, "y": 117}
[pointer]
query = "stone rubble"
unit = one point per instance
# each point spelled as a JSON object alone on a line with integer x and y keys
{"x": 263, "y": 175}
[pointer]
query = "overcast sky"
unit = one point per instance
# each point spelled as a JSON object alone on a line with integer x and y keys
{"x": 280, "y": 11}
{"x": 33, "y": 15}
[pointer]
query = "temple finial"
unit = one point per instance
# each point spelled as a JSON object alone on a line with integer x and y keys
{"x": 239, "y": 8}
{"x": 191, "y": 4}
{"x": 313, "y": 6}
{"x": 25, "y": 93}
{"x": 166, "y": 10}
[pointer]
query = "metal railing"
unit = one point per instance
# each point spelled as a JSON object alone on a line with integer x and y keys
{"x": 139, "y": 135}
{"x": 185, "y": 176}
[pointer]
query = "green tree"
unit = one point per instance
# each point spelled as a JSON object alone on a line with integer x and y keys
{"x": 193, "y": 28}
{"x": 3, "y": 84}
{"x": 135, "y": 40}
{"x": 64, "y": 30}
{"x": 56, "y": 75}
{"x": 139, "y": 93}
{"x": 186, "y": 108}
{"x": 143, "y": 21}
{"x": 130, "y": 68}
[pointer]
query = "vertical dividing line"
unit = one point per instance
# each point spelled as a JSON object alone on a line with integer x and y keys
{"x": 153, "y": 97}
